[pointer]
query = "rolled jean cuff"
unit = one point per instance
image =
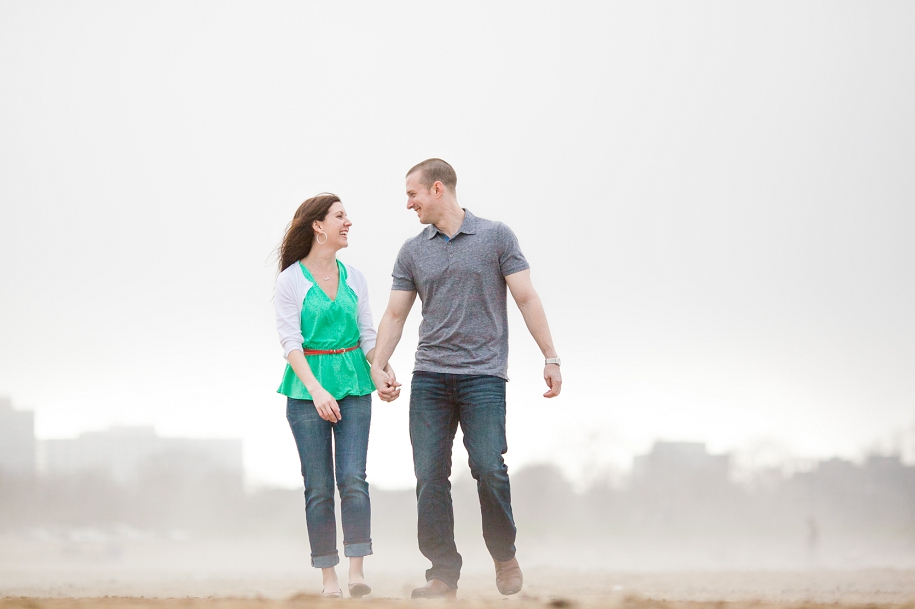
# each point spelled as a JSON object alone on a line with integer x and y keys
{"x": 328, "y": 560}
{"x": 363, "y": 548}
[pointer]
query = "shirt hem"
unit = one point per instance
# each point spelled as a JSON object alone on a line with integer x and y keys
{"x": 471, "y": 371}
{"x": 307, "y": 396}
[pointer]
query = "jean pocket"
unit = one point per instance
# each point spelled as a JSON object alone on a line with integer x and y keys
{"x": 300, "y": 410}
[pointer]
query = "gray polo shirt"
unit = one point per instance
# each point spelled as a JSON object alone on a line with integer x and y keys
{"x": 461, "y": 283}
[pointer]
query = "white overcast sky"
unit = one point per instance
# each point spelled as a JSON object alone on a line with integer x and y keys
{"x": 717, "y": 200}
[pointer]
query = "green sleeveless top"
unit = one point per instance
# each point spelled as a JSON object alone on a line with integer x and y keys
{"x": 330, "y": 324}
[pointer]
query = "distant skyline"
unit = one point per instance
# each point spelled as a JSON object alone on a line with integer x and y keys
{"x": 744, "y": 463}
{"x": 716, "y": 200}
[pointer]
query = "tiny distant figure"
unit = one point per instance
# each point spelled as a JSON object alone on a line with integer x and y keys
{"x": 462, "y": 267}
{"x": 813, "y": 539}
{"x": 325, "y": 327}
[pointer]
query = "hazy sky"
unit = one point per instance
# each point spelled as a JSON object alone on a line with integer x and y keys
{"x": 717, "y": 200}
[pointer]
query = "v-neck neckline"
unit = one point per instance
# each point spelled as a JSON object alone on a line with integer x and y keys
{"x": 320, "y": 287}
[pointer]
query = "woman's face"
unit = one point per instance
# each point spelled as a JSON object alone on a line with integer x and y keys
{"x": 336, "y": 224}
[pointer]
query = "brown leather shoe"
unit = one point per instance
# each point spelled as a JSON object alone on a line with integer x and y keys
{"x": 435, "y": 588}
{"x": 508, "y": 576}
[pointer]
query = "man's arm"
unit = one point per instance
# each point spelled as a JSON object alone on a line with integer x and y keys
{"x": 389, "y": 332}
{"x": 535, "y": 318}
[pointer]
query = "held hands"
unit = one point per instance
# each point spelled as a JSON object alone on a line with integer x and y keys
{"x": 386, "y": 382}
{"x": 553, "y": 379}
{"x": 325, "y": 404}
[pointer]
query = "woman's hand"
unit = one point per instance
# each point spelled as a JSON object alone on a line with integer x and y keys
{"x": 393, "y": 387}
{"x": 325, "y": 404}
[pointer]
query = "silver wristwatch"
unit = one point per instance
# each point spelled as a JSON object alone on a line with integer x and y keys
{"x": 552, "y": 360}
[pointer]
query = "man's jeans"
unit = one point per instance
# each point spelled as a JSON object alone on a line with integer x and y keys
{"x": 438, "y": 402}
{"x": 317, "y": 454}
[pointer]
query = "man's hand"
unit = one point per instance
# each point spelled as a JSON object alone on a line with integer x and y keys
{"x": 553, "y": 379}
{"x": 386, "y": 383}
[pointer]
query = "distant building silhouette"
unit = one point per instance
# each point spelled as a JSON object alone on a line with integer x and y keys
{"x": 680, "y": 485}
{"x": 676, "y": 465}
{"x": 879, "y": 491}
{"x": 125, "y": 452}
{"x": 17, "y": 440}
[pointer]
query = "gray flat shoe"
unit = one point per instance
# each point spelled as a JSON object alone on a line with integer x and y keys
{"x": 359, "y": 590}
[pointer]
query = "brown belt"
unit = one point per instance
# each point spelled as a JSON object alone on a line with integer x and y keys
{"x": 328, "y": 351}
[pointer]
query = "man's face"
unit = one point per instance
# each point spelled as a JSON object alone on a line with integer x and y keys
{"x": 421, "y": 199}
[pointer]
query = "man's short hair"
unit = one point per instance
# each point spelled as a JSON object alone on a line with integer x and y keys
{"x": 435, "y": 170}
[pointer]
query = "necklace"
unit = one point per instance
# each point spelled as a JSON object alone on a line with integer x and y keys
{"x": 326, "y": 273}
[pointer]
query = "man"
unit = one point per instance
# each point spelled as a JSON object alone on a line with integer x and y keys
{"x": 460, "y": 265}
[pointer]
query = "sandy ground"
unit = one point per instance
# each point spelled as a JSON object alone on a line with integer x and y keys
{"x": 629, "y": 601}
{"x": 302, "y": 601}
{"x": 270, "y": 573}
{"x": 873, "y": 586}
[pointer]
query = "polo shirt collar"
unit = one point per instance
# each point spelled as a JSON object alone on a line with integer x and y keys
{"x": 468, "y": 226}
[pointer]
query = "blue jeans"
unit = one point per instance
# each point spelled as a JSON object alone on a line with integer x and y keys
{"x": 438, "y": 403}
{"x": 316, "y": 452}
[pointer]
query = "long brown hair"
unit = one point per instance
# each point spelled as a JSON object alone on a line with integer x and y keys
{"x": 299, "y": 234}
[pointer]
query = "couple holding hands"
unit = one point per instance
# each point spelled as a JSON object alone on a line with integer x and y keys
{"x": 462, "y": 267}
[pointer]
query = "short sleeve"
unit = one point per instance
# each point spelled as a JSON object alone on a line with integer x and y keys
{"x": 403, "y": 273}
{"x": 511, "y": 260}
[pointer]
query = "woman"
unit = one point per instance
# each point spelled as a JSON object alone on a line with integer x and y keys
{"x": 325, "y": 327}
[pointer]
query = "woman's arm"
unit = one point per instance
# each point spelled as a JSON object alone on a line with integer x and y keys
{"x": 287, "y": 299}
{"x": 287, "y": 303}
{"x": 325, "y": 403}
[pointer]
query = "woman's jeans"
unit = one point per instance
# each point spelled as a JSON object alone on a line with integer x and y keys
{"x": 438, "y": 403}
{"x": 321, "y": 457}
